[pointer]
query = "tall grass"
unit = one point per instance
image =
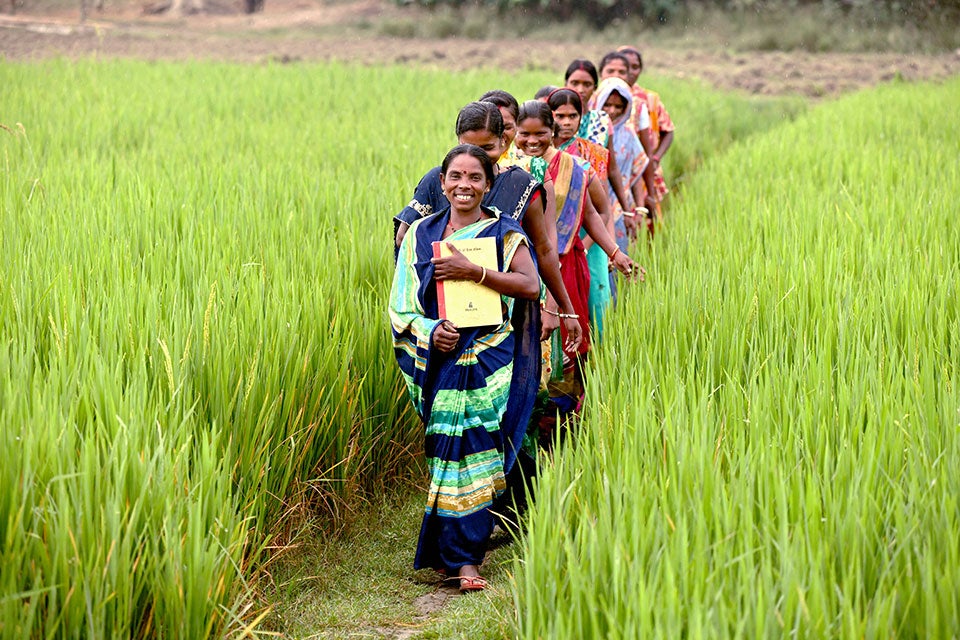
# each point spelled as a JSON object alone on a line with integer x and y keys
{"x": 194, "y": 262}
{"x": 193, "y": 275}
{"x": 771, "y": 441}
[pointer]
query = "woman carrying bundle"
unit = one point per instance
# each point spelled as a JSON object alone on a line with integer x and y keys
{"x": 516, "y": 194}
{"x": 461, "y": 380}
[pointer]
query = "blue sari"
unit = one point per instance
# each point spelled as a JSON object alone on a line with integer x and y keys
{"x": 475, "y": 401}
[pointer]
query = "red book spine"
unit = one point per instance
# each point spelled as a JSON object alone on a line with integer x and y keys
{"x": 441, "y": 301}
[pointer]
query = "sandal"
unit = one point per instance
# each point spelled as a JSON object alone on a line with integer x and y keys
{"x": 472, "y": 583}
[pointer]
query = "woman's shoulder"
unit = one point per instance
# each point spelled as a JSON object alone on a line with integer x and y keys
{"x": 507, "y": 224}
{"x": 427, "y": 223}
{"x": 516, "y": 173}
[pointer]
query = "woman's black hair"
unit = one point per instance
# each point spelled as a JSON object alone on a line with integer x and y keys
{"x": 564, "y": 96}
{"x": 625, "y": 49}
{"x": 470, "y": 150}
{"x": 544, "y": 92}
{"x": 613, "y": 55}
{"x": 536, "y": 109}
{"x": 502, "y": 99}
{"x": 480, "y": 116}
{"x": 582, "y": 64}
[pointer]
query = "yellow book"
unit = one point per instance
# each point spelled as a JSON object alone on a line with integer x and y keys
{"x": 464, "y": 302}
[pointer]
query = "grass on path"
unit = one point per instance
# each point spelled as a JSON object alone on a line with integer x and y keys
{"x": 360, "y": 583}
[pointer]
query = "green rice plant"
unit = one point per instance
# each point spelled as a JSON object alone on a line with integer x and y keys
{"x": 194, "y": 261}
{"x": 193, "y": 314}
{"x": 709, "y": 122}
{"x": 770, "y": 442}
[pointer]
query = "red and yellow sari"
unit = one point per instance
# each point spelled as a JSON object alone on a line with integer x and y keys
{"x": 570, "y": 179}
{"x": 659, "y": 121}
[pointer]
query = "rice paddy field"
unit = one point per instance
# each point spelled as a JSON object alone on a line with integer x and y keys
{"x": 772, "y": 446}
{"x": 194, "y": 265}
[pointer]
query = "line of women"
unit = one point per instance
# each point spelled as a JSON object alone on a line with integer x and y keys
{"x": 557, "y": 185}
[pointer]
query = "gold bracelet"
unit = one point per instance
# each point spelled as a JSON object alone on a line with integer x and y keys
{"x": 483, "y": 276}
{"x": 553, "y": 313}
{"x": 615, "y": 252}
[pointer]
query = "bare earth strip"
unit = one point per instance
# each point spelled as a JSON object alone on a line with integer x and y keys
{"x": 309, "y": 30}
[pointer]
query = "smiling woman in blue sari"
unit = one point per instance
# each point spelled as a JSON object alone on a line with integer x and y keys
{"x": 474, "y": 388}
{"x": 514, "y": 193}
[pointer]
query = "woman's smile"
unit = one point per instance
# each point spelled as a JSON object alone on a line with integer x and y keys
{"x": 533, "y": 137}
{"x": 465, "y": 184}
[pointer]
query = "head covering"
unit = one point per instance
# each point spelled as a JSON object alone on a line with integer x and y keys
{"x": 631, "y": 159}
{"x": 609, "y": 86}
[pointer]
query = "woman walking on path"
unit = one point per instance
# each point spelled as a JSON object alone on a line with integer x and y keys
{"x": 614, "y": 97}
{"x": 461, "y": 380}
{"x": 509, "y": 110}
{"x": 514, "y": 193}
{"x": 661, "y": 126}
{"x": 567, "y": 112}
{"x": 535, "y": 130}
{"x": 595, "y": 126}
{"x": 616, "y": 65}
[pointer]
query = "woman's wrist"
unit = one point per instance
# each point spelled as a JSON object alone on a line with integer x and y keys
{"x": 566, "y": 307}
{"x": 562, "y": 315}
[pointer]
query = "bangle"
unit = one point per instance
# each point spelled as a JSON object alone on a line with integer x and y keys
{"x": 628, "y": 214}
{"x": 615, "y": 252}
{"x": 553, "y": 313}
{"x": 568, "y": 315}
{"x": 483, "y": 276}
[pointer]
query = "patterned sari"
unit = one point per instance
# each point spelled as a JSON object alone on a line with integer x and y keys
{"x": 659, "y": 121}
{"x": 595, "y": 126}
{"x": 475, "y": 401}
{"x": 570, "y": 178}
{"x": 598, "y": 157}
